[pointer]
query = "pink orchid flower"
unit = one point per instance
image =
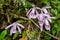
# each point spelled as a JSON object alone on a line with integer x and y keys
{"x": 47, "y": 18}
{"x": 14, "y": 26}
{"x": 41, "y": 20}
{"x": 47, "y": 14}
{"x": 44, "y": 18}
{"x": 32, "y": 12}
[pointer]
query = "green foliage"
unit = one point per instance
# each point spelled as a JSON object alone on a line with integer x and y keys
{"x": 58, "y": 15}
{"x": 58, "y": 22}
{"x": 20, "y": 21}
{"x": 11, "y": 10}
{"x": 27, "y": 5}
{"x": 1, "y": 5}
{"x": 24, "y": 34}
{"x": 54, "y": 11}
{"x": 47, "y": 37}
{"x": 15, "y": 35}
{"x": 54, "y": 31}
{"x": 3, "y": 34}
{"x": 57, "y": 27}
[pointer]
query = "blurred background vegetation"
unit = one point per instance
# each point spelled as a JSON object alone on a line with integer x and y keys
{"x": 11, "y": 10}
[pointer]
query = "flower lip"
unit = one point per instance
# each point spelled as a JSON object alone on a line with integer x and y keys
{"x": 47, "y": 27}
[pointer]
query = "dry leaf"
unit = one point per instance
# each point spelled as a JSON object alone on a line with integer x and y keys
{"x": 23, "y": 38}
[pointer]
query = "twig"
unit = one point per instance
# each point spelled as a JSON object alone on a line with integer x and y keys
{"x": 43, "y": 30}
{"x": 24, "y": 18}
{"x": 51, "y": 35}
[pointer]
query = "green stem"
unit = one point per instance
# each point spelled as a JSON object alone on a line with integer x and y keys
{"x": 43, "y": 30}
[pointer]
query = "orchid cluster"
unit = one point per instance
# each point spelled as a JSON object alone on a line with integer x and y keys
{"x": 43, "y": 17}
{"x": 15, "y": 27}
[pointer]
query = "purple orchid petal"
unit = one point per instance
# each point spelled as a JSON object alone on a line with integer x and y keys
{"x": 44, "y": 10}
{"x": 41, "y": 26}
{"x": 41, "y": 17}
{"x": 49, "y": 20}
{"x": 41, "y": 21}
{"x": 47, "y": 7}
{"x": 9, "y": 25}
{"x": 47, "y": 16}
{"x": 37, "y": 13}
{"x": 19, "y": 29}
{"x": 20, "y": 25}
{"x": 52, "y": 17}
{"x": 28, "y": 11}
{"x": 47, "y": 25}
{"x": 32, "y": 14}
{"x": 12, "y": 30}
{"x": 14, "y": 26}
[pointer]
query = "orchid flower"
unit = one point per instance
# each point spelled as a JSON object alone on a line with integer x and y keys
{"x": 47, "y": 18}
{"x": 41, "y": 20}
{"x": 46, "y": 13}
{"x": 31, "y": 13}
{"x": 14, "y": 26}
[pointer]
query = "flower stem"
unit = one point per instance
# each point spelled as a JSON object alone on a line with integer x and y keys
{"x": 43, "y": 30}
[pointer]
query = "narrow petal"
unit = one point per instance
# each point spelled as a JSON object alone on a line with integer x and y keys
{"x": 37, "y": 14}
{"x": 38, "y": 8}
{"x": 47, "y": 16}
{"x": 44, "y": 10}
{"x": 20, "y": 25}
{"x": 9, "y": 25}
{"x": 11, "y": 32}
{"x": 52, "y": 17}
{"x": 28, "y": 11}
{"x": 32, "y": 13}
{"x": 41, "y": 26}
{"x": 19, "y": 29}
{"x": 49, "y": 20}
{"x": 47, "y": 7}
